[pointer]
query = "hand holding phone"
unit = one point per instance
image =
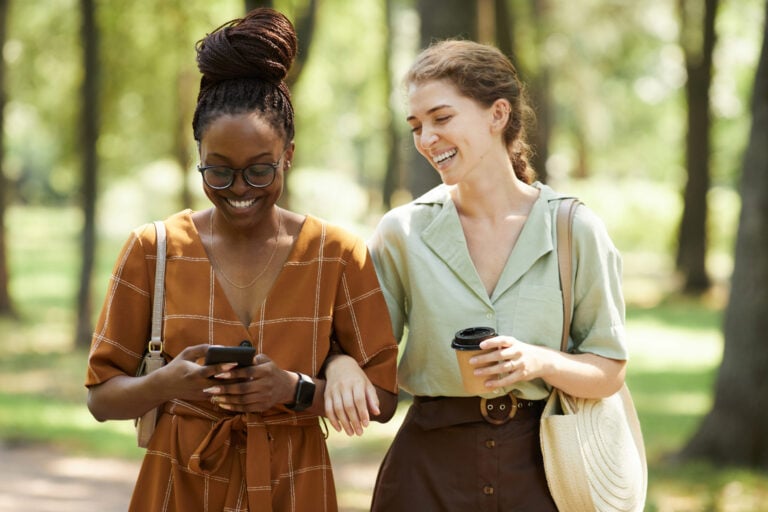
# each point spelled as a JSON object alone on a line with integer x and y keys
{"x": 242, "y": 355}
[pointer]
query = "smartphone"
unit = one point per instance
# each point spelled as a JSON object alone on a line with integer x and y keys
{"x": 243, "y": 356}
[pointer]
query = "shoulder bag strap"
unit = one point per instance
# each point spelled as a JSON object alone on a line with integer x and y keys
{"x": 565, "y": 213}
{"x": 156, "y": 341}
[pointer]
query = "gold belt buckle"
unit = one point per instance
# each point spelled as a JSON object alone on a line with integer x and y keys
{"x": 485, "y": 407}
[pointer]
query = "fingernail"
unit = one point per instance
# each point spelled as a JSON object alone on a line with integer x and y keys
{"x": 472, "y": 360}
{"x": 223, "y": 375}
{"x": 225, "y": 406}
{"x": 212, "y": 390}
{"x": 228, "y": 366}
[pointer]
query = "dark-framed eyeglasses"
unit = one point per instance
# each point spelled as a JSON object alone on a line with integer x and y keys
{"x": 219, "y": 177}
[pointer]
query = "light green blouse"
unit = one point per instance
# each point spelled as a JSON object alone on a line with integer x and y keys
{"x": 433, "y": 290}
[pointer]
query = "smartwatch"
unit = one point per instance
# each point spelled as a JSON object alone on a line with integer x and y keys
{"x": 305, "y": 393}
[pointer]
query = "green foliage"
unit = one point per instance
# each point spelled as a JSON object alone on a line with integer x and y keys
{"x": 616, "y": 86}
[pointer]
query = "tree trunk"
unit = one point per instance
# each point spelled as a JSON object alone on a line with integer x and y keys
{"x": 440, "y": 19}
{"x": 89, "y": 135}
{"x": 6, "y": 305}
{"x": 183, "y": 148}
{"x": 253, "y": 4}
{"x": 392, "y": 171}
{"x": 698, "y": 41}
{"x": 305, "y": 30}
{"x": 537, "y": 80}
{"x": 539, "y": 92}
{"x": 734, "y": 431}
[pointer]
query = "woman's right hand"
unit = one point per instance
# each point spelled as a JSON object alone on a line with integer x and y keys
{"x": 127, "y": 396}
{"x": 185, "y": 378}
{"x": 350, "y": 397}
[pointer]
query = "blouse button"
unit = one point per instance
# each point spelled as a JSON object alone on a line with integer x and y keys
{"x": 488, "y": 490}
{"x": 490, "y": 443}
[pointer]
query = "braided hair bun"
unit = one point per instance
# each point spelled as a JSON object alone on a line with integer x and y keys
{"x": 261, "y": 46}
{"x": 244, "y": 64}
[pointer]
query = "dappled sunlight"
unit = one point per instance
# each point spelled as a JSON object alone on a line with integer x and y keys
{"x": 41, "y": 479}
{"x": 658, "y": 347}
{"x": 331, "y": 195}
{"x": 675, "y": 403}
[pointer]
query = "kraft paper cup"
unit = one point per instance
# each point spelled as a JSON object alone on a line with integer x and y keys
{"x": 466, "y": 343}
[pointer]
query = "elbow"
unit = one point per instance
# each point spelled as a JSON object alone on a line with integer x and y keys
{"x": 94, "y": 408}
{"x": 617, "y": 377}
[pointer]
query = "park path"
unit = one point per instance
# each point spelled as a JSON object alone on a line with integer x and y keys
{"x": 41, "y": 479}
{"x": 37, "y": 478}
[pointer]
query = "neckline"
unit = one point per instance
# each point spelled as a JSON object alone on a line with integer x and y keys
{"x": 216, "y": 265}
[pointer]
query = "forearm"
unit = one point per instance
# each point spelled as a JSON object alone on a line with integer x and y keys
{"x": 585, "y": 375}
{"x": 123, "y": 397}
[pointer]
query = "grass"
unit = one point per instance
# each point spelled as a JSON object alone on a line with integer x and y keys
{"x": 675, "y": 347}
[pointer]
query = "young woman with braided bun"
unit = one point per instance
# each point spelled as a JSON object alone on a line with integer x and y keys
{"x": 302, "y": 292}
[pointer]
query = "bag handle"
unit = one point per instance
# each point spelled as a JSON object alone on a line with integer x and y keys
{"x": 564, "y": 226}
{"x": 156, "y": 340}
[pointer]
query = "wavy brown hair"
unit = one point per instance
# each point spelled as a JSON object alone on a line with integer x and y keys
{"x": 484, "y": 74}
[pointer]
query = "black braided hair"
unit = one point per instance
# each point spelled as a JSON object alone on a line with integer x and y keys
{"x": 244, "y": 64}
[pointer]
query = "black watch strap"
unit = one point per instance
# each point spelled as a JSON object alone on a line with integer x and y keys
{"x": 305, "y": 393}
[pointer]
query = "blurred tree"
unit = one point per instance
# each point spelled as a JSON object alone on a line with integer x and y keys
{"x": 253, "y": 4}
{"x": 535, "y": 75}
{"x": 6, "y": 306}
{"x": 183, "y": 149}
{"x": 697, "y": 38}
{"x": 89, "y": 135}
{"x": 734, "y": 431}
{"x": 440, "y": 19}
{"x": 391, "y": 180}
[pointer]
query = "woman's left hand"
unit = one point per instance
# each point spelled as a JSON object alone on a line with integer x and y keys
{"x": 254, "y": 388}
{"x": 350, "y": 397}
{"x": 509, "y": 360}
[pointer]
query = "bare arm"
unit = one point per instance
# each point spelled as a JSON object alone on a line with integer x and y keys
{"x": 581, "y": 375}
{"x": 124, "y": 397}
{"x": 351, "y": 400}
{"x": 265, "y": 385}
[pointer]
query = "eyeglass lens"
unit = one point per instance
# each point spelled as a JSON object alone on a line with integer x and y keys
{"x": 258, "y": 175}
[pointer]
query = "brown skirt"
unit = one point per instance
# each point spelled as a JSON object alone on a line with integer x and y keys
{"x": 448, "y": 456}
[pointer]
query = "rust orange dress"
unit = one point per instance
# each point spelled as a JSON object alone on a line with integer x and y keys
{"x": 203, "y": 458}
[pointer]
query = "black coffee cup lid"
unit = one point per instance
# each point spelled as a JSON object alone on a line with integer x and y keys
{"x": 470, "y": 338}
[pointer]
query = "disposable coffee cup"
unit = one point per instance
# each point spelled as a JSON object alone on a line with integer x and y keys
{"x": 466, "y": 344}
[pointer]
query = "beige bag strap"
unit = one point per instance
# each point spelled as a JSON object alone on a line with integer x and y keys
{"x": 156, "y": 340}
{"x": 564, "y": 226}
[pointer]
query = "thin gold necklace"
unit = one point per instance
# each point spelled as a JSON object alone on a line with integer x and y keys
{"x": 266, "y": 266}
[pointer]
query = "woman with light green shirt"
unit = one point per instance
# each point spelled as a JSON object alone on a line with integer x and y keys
{"x": 480, "y": 250}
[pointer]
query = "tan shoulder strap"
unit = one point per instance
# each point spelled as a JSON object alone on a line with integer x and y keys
{"x": 565, "y": 213}
{"x": 156, "y": 341}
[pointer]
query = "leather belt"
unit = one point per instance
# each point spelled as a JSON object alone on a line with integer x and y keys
{"x": 496, "y": 411}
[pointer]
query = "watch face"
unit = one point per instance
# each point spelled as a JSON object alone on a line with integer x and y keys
{"x": 305, "y": 393}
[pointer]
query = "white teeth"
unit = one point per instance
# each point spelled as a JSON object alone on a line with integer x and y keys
{"x": 444, "y": 156}
{"x": 241, "y": 204}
